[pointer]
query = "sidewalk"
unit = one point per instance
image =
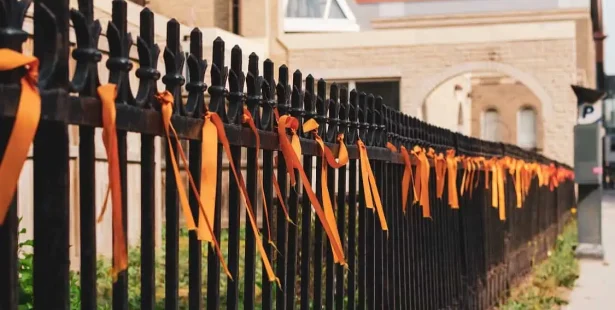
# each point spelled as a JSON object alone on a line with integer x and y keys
{"x": 595, "y": 289}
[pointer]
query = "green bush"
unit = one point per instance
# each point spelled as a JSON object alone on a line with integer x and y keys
{"x": 559, "y": 271}
{"x": 105, "y": 282}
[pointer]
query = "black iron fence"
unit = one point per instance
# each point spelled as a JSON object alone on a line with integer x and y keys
{"x": 460, "y": 259}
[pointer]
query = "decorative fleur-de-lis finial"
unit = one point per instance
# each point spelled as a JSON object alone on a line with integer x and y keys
{"x": 12, "y": 36}
{"x": 283, "y": 91}
{"x": 321, "y": 107}
{"x": 254, "y": 85}
{"x": 362, "y": 116}
{"x": 296, "y": 108}
{"x": 343, "y": 112}
{"x": 195, "y": 106}
{"x": 268, "y": 88}
{"x": 370, "y": 118}
{"x": 219, "y": 73}
{"x": 309, "y": 100}
{"x": 380, "y": 128}
{"x": 334, "y": 110}
{"x": 174, "y": 64}
{"x": 87, "y": 31}
{"x": 353, "y": 115}
{"x": 236, "y": 82}
{"x": 149, "y": 51}
{"x": 120, "y": 42}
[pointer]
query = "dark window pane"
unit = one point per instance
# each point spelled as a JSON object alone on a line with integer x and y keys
{"x": 389, "y": 91}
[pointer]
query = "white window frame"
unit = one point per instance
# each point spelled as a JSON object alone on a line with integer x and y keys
{"x": 519, "y": 126}
{"x": 324, "y": 24}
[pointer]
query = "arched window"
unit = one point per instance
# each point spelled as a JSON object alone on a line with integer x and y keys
{"x": 424, "y": 112}
{"x": 526, "y": 128}
{"x": 490, "y": 126}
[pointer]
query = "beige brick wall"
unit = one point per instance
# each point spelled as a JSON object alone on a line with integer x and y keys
{"x": 208, "y": 13}
{"x": 507, "y": 99}
{"x": 550, "y": 65}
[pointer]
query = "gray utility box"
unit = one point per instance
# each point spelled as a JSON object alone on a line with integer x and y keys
{"x": 609, "y": 149}
{"x": 587, "y": 155}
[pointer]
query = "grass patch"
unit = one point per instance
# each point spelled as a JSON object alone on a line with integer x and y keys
{"x": 549, "y": 282}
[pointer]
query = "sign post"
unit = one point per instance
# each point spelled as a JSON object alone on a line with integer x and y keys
{"x": 588, "y": 171}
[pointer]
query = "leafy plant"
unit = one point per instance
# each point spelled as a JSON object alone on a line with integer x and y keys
{"x": 559, "y": 271}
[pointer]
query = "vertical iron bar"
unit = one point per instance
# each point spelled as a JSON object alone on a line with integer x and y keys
{"x": 216, "y": 105}
{"x": 306, "y": 210}
{"x": 254, "y": 85}
{"x": 296, "y": 110}
{"x": 283, "y": 94}
{"x": 235, "y": 109}
{"x": 267, "y": 105}
{"x": 341, "y": 200}
{"x": 85, "y": 82}
{"x": 51, "y": 170}
{"x": 173, "y": 79}
{"x": 195, "y": 107}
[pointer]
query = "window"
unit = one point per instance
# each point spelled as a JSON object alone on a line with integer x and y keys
{"x": 388, "y": 90}
{"x": 526, "y": 128}
{"x": 318, "y": 16}
{"x": 489, "y": 128}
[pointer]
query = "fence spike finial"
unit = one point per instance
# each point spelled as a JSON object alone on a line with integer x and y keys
{"x": 87, "y": 32}
{"x": 254, "y": 85}
{"x": 174, "y": 64}
{"x": 196, "y": 86}
{"x": 120, "y": 42}
{"x": 296, "y": 109}
{"x": 149, "y": 51}
{"x": 343, "y": 112}
{"x": 283, "y": 91}
{"x": 236, "y": 83}
{"x": 268, "y": 88}
{"x": 219, "y": 74}
{"x": 309, "y": 100}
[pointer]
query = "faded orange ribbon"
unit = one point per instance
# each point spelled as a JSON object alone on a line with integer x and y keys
{"x": 451, "y": 166}
{"x": 249, "y": 120}
{"x": 291, "y": 159}
{"x": 213, "y": 129}
{"x": 421, "y": 180}
{"x": 328, "y": 159}
{"x": 406, "y": 179}
{"x": 24, "y": 128}
{"x": 391, "y": 147}
{"x": 370, "y": 190}
{"x": 166, "y": 108}
{"x": 107, "y": 95}
{"x": 440, "y": 167}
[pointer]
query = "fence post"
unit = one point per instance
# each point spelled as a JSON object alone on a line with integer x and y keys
{"x": 12, "y": 14}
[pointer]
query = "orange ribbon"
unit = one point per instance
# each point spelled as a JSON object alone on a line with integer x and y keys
{"x": 328, "y": 159}
{"x": 421, "y": 180}
{"x": 24, "y": 128}
{"x": 451, "y": 166}
{"x": 213, "y": 129}
{"x": 440, "y": 166}
{"x": 391, "y": 147}
{"x": 107, "y": 95}
{"x": 166, "y": 108}
{"x": 370, "y": 190}
{"x": 291, "y": 159}
{"x": 406, "y": 179}
{"x": 248, "y": 119}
